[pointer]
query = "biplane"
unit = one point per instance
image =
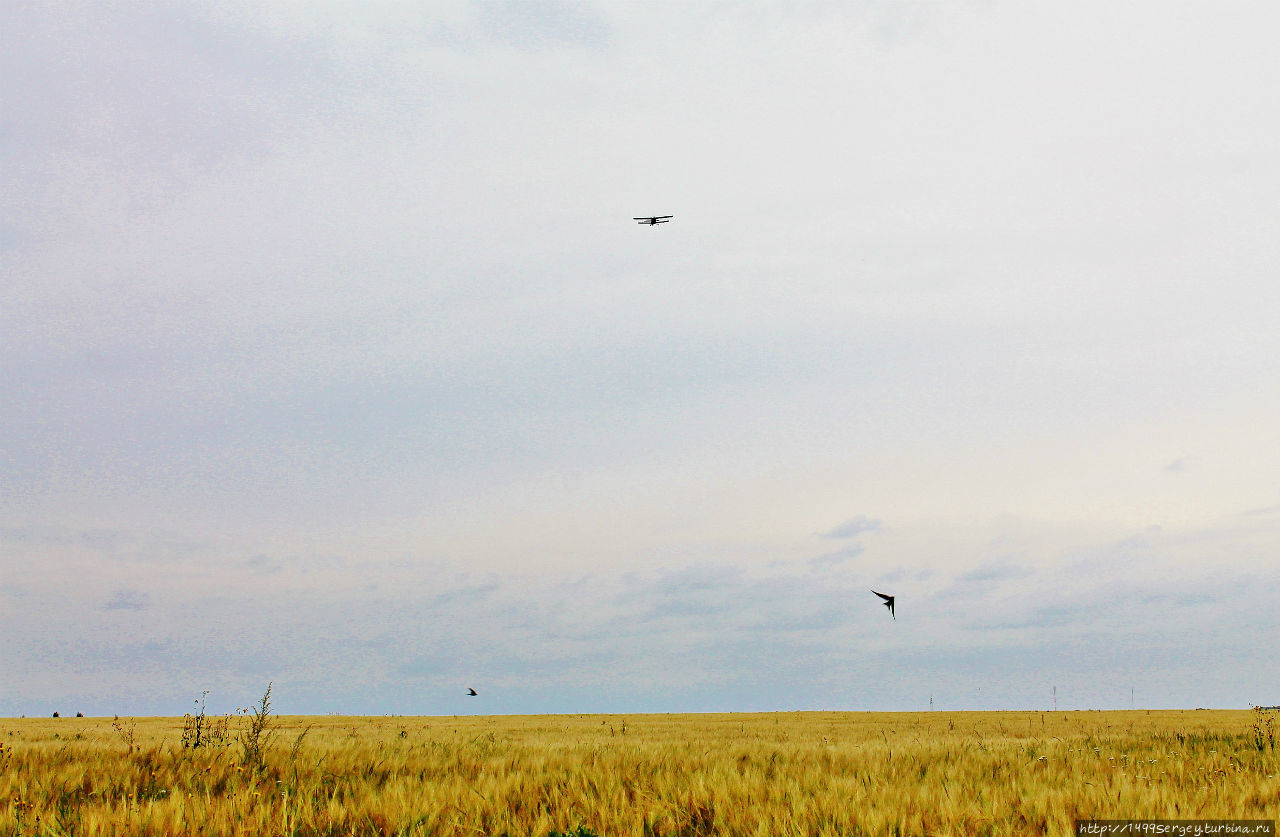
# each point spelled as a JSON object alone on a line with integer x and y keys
{"x": 654, "y": 220}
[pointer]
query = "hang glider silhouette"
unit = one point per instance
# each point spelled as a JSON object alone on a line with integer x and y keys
{"x": 471, "y": 692}
{"x": 654, "y": 220}
{"x": 888, "y": 602}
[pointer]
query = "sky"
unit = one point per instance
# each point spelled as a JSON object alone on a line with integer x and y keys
{"x": 331, "y": 358}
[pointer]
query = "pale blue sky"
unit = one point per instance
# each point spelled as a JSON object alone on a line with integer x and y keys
{"x": 330, "y": 356}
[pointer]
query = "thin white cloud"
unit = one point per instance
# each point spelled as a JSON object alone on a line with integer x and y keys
{"x": 853, "y": 527}
{"x": 836, "y": 558}
{"x": 128, "y": 600}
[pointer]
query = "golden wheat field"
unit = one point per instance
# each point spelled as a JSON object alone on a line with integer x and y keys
{"x": 810, "y": 773}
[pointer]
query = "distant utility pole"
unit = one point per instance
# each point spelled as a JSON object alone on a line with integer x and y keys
{"x": 1055, "y": 698}
{"x": 1131, "y": 704}
{"x": 930, "y": 703}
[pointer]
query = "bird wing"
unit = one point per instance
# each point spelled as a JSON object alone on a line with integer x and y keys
{"x": 883, "y": 596}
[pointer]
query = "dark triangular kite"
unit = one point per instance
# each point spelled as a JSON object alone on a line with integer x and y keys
{"x": 888, "y": 602}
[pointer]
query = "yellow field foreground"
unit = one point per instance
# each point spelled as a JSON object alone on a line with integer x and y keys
{"x": 812, "y": 773}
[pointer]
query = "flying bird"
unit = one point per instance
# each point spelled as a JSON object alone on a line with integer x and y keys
{"x": 471, "y": 692}
{"x": 888, "y": 602}
{"x": 654, "y": 220}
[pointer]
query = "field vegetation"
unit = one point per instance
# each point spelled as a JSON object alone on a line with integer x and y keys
{"x": 811, "y": 773}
